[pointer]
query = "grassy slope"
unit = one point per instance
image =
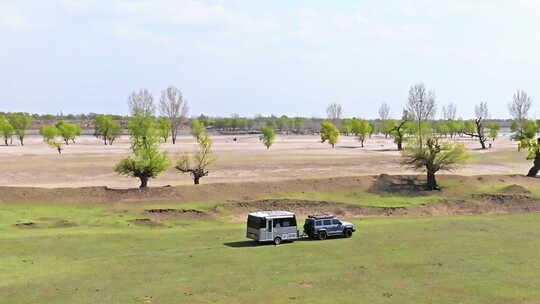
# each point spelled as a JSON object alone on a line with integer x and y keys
{"x": 399, "y": 260}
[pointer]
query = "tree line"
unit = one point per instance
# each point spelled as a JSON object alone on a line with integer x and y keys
{"x": 424, "y": 142}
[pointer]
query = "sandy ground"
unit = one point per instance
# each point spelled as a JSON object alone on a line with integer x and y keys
{"x": 90, "y": 163}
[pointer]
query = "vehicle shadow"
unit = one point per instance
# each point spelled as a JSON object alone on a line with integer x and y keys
{"x": 248, "y": 244}
{"x": 243, "y": 244}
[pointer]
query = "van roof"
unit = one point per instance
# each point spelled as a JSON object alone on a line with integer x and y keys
{"x": 272, "y": 214}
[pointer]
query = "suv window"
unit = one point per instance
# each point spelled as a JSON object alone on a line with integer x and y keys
{"x": 327, "y": 222}
{"x": 335, "y": 222}
{"x": 318, "y": 223}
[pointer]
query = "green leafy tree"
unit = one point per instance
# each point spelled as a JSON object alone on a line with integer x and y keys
{"x": 107, "y": 129}
{"x": 329, "y": 133}
{"x": 6, "y": 130}
{"x": 362, "y": 129}
{"x": 197, "y": 128}
{"x": 529, "y": 129}
{"x": 493, "y": 130}
{"x": 534, "y": 154}
{"x": 163, "y": 126}
{"x": 68, "y": 131}
{"x": 388, "y": 127}
{"x": 346, "y": 126}
{"x": 268, "y": 136}
{"x": 433, "y": 156}
{"x": 146, "y": 161}
{"x": 20, "y": 122}
{"x": 197, "y": 164}
{"x": 442, "y": 128}
{"x": 49, "y": 132}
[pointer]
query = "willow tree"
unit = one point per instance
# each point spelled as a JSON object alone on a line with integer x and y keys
{"x": 534, "y": 154}
{"x": 198, "y": 163}
{"x": 329, "y": 133}
{"x": 361, "y": 129}
{"x": 433, "y": 156}
{"x": 476, "y": 128}
{"x": 6, "y": 130}
{"x": 146, "y": 161}
{"x": 20, "y": 122}
{"x": 268, "y": 136}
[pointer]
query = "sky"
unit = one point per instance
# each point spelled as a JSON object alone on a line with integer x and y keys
{"x": 276, "y": 57}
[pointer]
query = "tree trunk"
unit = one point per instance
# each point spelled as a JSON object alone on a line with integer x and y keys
{"x": 431, "y": 181}
{"x": 483, "y": 143}
{"x": 22, "y": 141}
{"x": 196, "y": 180}
{"x": 400, "y": 145}
{"x": 536, "y": 166}
{"x": 5, "y": 140}
{"x": 144, "y": 182}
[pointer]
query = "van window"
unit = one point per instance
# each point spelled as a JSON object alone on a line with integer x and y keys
{"x": 318, "y": 223}
{"x": 335, "y": 222}
{"x": 327, "y": 222}
{"x": 269, "y": 226}
{"x": 285, "y": 222}
{"x": 255, "y": 222}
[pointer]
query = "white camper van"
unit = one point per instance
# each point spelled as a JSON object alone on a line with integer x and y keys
{"x": 272, "y": 226}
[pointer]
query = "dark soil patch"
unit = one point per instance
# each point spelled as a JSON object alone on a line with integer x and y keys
{"x": 167, "y": 214}
{"x": 411, "y": 185}
{"x": 64, "y": 223}
{"x": 27, "y": 225}
{"x": 146, "y": 222}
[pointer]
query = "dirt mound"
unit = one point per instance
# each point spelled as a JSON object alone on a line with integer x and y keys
{"x": 515, "y": 189}
{"x": 486, "y": 204}
{"x": 304, "y": 208}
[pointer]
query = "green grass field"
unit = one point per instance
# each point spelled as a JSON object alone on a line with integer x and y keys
{"x": 106, "y": 258}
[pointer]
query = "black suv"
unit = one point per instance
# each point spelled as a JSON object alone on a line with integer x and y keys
{"x": 324, "y": 225}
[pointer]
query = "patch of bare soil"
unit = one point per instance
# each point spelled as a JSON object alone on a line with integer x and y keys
{"x": 63, "y": 223}
{"x": 167, "y": 214}
{"x": 146, "y": 222}
{"x": 26, "y": 225}
{"x": 404, "y": 184}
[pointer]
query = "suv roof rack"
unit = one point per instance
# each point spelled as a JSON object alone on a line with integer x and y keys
{"x": 321, "y": 216}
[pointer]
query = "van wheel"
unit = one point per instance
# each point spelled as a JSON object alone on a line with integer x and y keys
{"x": 277, "y": 241}
{"x": 322, "y": 235}
{"x": 347, "y": 233}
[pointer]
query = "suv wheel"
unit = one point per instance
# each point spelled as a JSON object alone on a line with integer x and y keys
{"x": 277, "y": 241}
{"x": 347, "y": 233}
{"x": 322, "y": 235}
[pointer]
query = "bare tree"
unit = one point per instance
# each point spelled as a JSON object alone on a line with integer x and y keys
{"x": 384, "y": 111}
{"x": 421, "y": 105}
{"x": 173, "y": 106}
{"x": 142, "y": 102}
{"x": 449, "y": 111}
{"x": 520, "y": 106}
{"x": 481, "y": 111}
{"x": 334, "y": 112}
